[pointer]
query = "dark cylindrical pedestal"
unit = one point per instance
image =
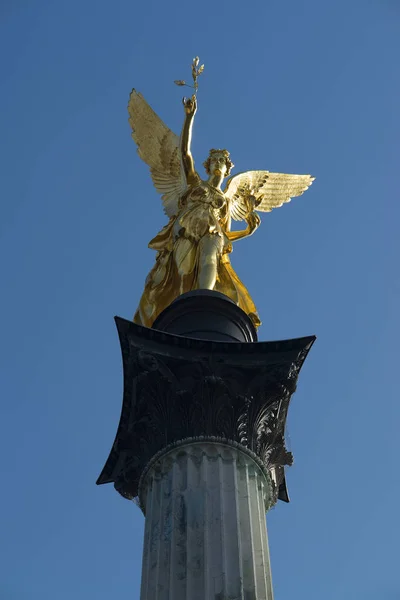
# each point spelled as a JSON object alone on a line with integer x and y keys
{"x": 209, "y": 315}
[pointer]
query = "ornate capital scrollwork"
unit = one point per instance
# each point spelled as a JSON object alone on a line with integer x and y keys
{"x": 177, "y": 388}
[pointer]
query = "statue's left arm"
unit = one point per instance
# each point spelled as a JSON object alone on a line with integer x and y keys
{"x": 253, "y": 222}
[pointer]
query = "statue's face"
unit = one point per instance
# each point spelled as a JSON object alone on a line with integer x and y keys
{"x": 218, "y": 164}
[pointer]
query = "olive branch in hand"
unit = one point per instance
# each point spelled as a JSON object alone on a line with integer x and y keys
{"x": 196, "y": 72}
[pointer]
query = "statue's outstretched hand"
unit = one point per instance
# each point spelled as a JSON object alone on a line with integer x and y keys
{"x": 253, "y": 221}
{"x": 190, "y": 105}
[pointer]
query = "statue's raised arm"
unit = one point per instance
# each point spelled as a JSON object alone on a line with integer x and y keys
{"x": 190, "y": 106}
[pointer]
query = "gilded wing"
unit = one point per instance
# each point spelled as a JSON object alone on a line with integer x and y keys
{"x": 270, "y": 190}
{"x": 159, "y": 147}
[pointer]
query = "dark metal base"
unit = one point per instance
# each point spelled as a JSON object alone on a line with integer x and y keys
{"x": 206, "y": 315}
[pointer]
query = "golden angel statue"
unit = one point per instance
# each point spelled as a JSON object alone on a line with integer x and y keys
{"x": 193, "y": 248}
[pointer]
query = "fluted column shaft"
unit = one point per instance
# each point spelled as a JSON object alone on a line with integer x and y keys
{"x": 205, "y": 532}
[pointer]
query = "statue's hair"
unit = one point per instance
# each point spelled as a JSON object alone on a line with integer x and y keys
{"x": 228, "y": 162}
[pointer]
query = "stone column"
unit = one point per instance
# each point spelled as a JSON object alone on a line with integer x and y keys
{"x": 205, "y": 533}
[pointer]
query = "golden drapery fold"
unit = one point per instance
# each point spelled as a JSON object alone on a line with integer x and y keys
{"x": 164, "y": 280}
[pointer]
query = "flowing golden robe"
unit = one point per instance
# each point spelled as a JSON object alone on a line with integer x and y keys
{"x": 204, "y": 213}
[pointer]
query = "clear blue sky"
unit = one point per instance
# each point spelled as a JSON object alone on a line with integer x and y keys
{"x": 289, "y": 86}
